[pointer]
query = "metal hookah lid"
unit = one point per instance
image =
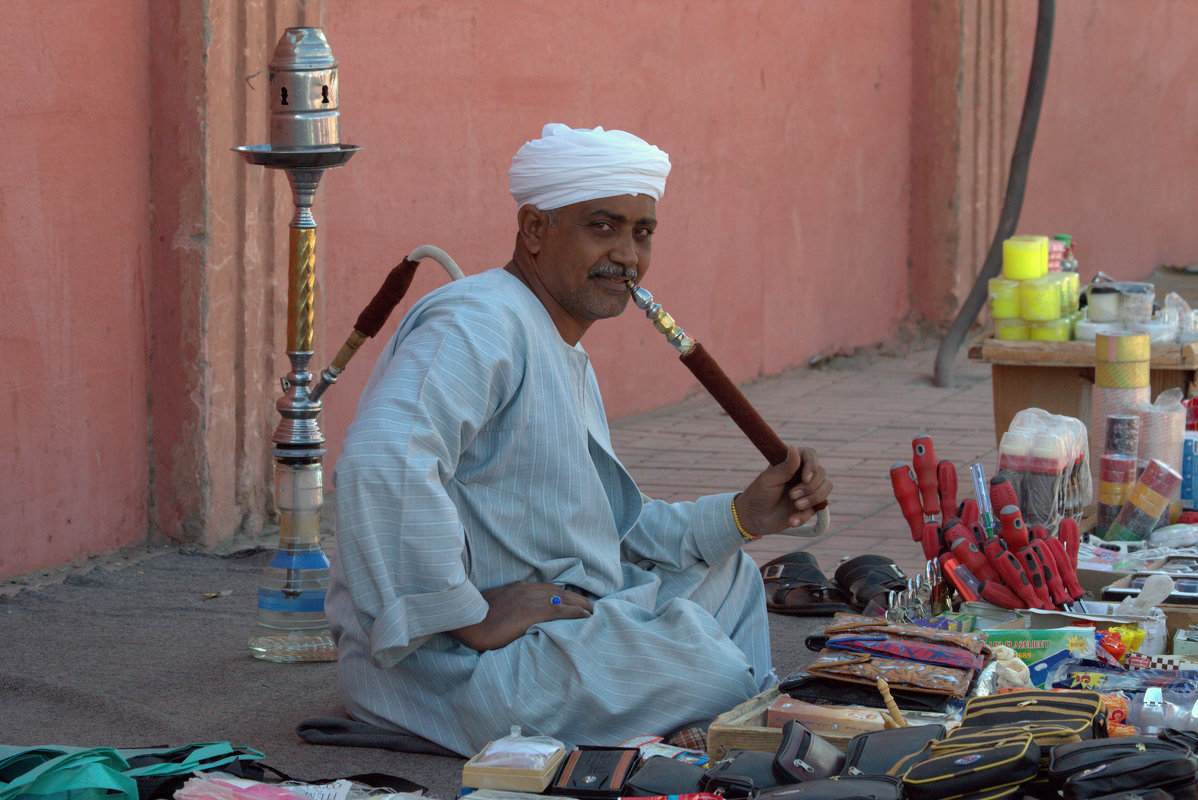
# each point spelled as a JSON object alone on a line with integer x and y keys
{"x": 303, "y": 49}
{"x": 304, "y": 107}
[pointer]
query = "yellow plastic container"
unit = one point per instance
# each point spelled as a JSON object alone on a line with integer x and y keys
{"x": 1010, "y": 329}
{"x": 1040, "y": 299}
{"x": 1025, "y": 257}
{"x": 1057, "y": 330}
{"x": 1072, "y": 290}
{"x": 1004, "y": 298}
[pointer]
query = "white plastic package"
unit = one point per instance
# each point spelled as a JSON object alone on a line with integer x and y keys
{"x": 515, "y": 751}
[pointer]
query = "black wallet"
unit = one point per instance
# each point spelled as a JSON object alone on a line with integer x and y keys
{"x": 595, "y": 772}
{"x": 661, "y": 775}
{"x": 741, "y": 774}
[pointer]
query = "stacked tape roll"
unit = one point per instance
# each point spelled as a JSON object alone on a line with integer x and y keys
{"x": 1025, "y": 257}
{"x": 1149, "y": 499}
{"x": 1122, "y": 435}
{"x": 1118, "y": 346}
{"x": 1116, "y": 477}
{"x": 1121, "y": 376}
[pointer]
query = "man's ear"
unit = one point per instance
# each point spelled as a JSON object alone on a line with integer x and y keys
{"x": 533, "y": 224}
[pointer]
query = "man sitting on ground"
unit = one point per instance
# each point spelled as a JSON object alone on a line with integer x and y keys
{"x": 496, "y": 565}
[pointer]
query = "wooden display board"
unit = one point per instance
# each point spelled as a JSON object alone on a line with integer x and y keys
{"x": 1058, "y": 376}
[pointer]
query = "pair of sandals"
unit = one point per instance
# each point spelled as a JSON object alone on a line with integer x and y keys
{"x": 796, "y": 586}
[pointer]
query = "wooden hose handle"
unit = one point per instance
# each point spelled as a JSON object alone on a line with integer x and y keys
{"x": 732, "y": 400}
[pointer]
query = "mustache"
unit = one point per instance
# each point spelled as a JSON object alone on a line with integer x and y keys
{"x": 612, "y": 271}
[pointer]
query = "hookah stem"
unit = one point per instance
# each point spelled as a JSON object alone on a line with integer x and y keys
{"x": 732, "y": 400}
{"x": 718, "y": 385}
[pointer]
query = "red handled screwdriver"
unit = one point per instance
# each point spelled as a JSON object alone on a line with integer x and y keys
{"x": 906, "y": 492}
{"x": 925, "y": 473}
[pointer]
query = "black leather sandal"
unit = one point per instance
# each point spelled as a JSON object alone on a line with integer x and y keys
{"x": 866, "y": 577}
{"x": 795, "y": 585}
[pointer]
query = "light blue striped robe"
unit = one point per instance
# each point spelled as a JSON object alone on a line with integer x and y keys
{"x": 480, "y": 456}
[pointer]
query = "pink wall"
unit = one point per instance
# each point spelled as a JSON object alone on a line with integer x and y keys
{"x": 74, "y": 234}
{"x": 139, "y": 366}
{"x": 784, "y": 227}
{"x": 1116, "y": 157}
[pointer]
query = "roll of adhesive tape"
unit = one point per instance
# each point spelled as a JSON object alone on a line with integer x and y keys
{"x": 1039, "y": 300}
{"x": 1004, "y": 298}
{"x": 1105, "y": 402}
{"x": 1025, "y": 257}
{"x": 1121, "y": 375}
{"x": 1158, "y": 331}
{"x": 1117, "y": 346}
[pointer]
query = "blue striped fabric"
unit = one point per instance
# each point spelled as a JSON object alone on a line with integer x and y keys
{"x": 480, "y": 456}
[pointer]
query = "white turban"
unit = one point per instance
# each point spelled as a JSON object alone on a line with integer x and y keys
{"x": 571, "y": 165}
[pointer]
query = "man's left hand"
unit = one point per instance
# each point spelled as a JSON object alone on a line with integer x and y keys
{"x": 766, "y": 506}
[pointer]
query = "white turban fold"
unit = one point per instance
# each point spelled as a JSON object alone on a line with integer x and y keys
{"x": 571, "y": 165}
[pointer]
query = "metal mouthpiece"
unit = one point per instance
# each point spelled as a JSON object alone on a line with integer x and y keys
{"x": 661, "y": 320}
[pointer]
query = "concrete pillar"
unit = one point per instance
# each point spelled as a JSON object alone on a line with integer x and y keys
{"x": 216, "y": 292}
{"x": 968, "y": 73}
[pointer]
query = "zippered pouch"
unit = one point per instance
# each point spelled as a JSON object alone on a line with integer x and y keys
{"x": 1081, "y": 712}
{"x": 805, "y": 756}
{"x": 952, "y": 771}
{"x": 1166, "y": 771}
{"x": 879, "y": 752}
{"x": 899, "y": 673}
{"x": 910, "y": 649}
{"x": 1070, "y": 759}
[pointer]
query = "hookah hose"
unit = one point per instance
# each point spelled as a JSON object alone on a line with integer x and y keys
{"x": 375, "y": 315}
{"x": 724, "y": 391}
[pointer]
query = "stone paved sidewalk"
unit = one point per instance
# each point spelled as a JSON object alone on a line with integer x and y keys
{"x": 860, "y": 412}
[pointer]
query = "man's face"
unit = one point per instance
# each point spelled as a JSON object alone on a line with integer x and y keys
{"x": 589, "y": 253}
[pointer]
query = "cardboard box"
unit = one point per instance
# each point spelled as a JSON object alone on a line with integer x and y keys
{"x": 842, "y": 721}
{"x": 476, "y": 776}
{"x": 745, "y": 728}
{"x": 1122, "y": 588}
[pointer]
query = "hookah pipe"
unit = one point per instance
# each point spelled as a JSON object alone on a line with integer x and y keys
{"x": 372, "y": 318}
{"x": 721, "y": 387}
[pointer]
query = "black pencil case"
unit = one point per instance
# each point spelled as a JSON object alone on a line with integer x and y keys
{"x": 1174, "y": 772}
{"x": 877, "y": 752}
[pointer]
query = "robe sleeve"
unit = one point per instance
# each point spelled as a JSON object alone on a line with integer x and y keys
{"x": 400, "y": 540}
{"x": 677, "y": 535}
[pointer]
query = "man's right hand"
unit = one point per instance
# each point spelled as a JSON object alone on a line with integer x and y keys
{"x": 517, "y": 607}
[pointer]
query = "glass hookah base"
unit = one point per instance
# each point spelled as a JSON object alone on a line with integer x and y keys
{"x": 283, "y": 647}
